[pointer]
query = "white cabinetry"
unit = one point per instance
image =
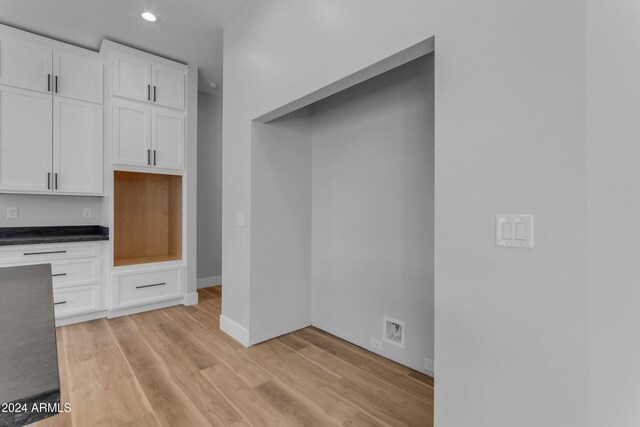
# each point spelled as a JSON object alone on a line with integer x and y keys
{"x": 25, "y": 61}
{"x": 147, "y": 136}
{"x": 147, "y": 286}
{"x": 51, "y": 132}
{"x": 78, "y": 290}
{"x": 25, "y": 140}
{"x": 140, "y": 78}
{"x": 77, "y": 146}
{"x": 78, "y": 75}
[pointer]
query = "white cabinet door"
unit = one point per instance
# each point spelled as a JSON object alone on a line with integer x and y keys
{"x": 168, "y": 86}
{"x": 167, "y": 133}
{"x": 25, "y": 140}
{"x": 131, "y": 77}
{"x": 131, "y": 133}
{"x": 77, "y": 75}
{"x": 77, "y": 146}
{"x": 24, "y": 62}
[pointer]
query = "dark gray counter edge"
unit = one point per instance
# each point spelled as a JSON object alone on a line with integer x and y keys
{"x": 59, "y": 234}
{"x": 50, "y": 401}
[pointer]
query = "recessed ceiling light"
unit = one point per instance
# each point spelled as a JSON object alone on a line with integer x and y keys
{"x": 149, "y": 17}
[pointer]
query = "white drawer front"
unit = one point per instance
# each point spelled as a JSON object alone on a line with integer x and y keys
{"x": 76, "y": 300}
{"x": 34, "y": 254}
{"x": 139, "y": 288}
{"x": 76, "y": 272}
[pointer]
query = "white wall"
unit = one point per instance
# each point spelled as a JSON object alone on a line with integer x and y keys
{"x": 44, "y": 210}
{"x": 209, "y": 187}
{"x": 372, "y": 240}
{"x": 614, "y": 204}
{"x": 511, "y": 334}
{"x": 191, "y": 150}
{"x": 281, "y": 226}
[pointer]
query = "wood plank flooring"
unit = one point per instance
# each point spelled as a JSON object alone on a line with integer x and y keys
{"x": 174, "y": 367}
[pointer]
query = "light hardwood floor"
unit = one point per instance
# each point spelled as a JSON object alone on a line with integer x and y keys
{"x": 174, "y": 367}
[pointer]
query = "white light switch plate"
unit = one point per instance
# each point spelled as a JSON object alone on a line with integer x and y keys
{"x": 514, "y": 231}
{"x": 240, "y": 219}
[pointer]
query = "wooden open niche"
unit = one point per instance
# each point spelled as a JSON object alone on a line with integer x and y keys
{"x": 147, "y": 218}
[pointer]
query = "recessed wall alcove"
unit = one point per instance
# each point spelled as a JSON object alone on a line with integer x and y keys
{"x": 342, "y": 185}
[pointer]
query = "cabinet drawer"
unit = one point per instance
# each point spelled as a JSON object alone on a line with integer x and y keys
{"x": 139, "y": 288}
{"x": 34, "y": 254}
{"x": 76, "y": 272}
{"x": 76, "y": 300}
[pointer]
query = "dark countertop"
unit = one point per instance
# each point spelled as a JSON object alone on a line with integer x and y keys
{"x": 55, "y": 234}
{"x": 28, "y": 355}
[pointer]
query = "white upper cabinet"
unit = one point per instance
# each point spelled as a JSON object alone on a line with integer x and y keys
{"x": 143, "y": 135}
{"x": 78, "y": 75}
{"x": 139, "y": 78}
{"x": 167, "y": 134}
{"x": 77, "y": 147}
{"x": 168, "y": 86}
{"x": 131, "y": 133}
{"x": 25, "y": 140}
{"x": 25, "y": 62}
{"x": 131, "y": 77}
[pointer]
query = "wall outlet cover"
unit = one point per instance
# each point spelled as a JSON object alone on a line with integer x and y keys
{"x": 86, "y": 213}
{"x": 12, "y": 213}
{"x": 377, "y": 344}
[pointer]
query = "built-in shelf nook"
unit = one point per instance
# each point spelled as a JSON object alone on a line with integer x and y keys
{"x": 147, "y": 218}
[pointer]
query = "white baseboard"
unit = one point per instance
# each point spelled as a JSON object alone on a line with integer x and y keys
{"x": 429, "y": 368}
{"x": 205, "y": 282}
{"x": 141, "y": 308}
{"x": 64, "y": 321}
{"x": 234, "y": 330}
{"x": 191, "y": 299}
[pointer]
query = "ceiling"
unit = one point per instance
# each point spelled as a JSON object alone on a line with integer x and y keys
{"x": 188, "y": 31}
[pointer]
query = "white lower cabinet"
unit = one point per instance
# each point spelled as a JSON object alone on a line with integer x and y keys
{"x": 76, "y": 270}
{"x": 77, "y": 300}
{"x": 148, "y": 286}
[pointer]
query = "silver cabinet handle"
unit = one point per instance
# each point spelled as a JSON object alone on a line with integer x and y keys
{"x": 149, "y": 157}
{"x": 154, "y": 94}
{"x": 154, "y": 157}
{"x": 148, "y": 92}
{"x": 48, "y": 180}
{"x": 58, "y": 303}
{"x": 55, "y": 175}
{"x": 150, "y": 286}
{"x": 59, "y": 274}
{"x": 48, "y": 82}
{"x": 56, "y": 85}
{"x": 44, "y": 253}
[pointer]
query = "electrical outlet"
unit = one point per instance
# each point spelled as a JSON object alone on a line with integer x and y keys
{"x": 429, "y": 366}
{"x": 377, "y": 344}
{"x": 86, "y": 213}
{"x": 12, "y": 213}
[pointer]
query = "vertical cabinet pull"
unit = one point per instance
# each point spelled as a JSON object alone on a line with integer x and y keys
{"x": 48, "y": 82}
{"x": 148, "y": 92}
{"x": 149, "y": 157}
{"x": 55, "y": 178}
{"x": 48, "y": 180}
{"x": 56, "y": 85}
{"x": 154, "y": 157}
{"x": 154, "y": 94}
